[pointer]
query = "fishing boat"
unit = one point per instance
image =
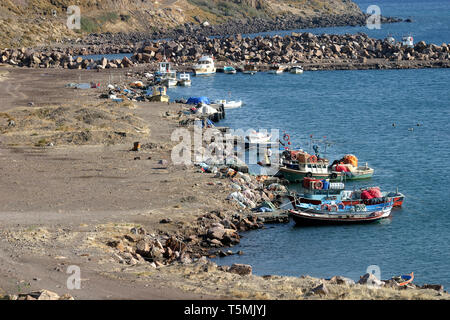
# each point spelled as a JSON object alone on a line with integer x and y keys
{"x": 229, "y": 104}
{"x": 296, "y": 70}
{"x": 229, "y": 70}
{"x": 276, "y": 69}
{"x": 319, "y": 191}
{"x": 170, "y": 79}
{"x": 185, "y": 80}
{"x": 338, "y": 213}
{"x": 249, "y": 69}
{"x": 165, "y": 75}
{"x": 295, "y": 165}
{"x": 204, "y": 66}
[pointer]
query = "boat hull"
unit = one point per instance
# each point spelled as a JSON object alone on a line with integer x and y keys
{"x": 297, "y": 176}
{"x": 203, "y": 72}
{"x": 308, "y": 218}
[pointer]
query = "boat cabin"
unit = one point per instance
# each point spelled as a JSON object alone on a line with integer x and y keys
{"x": 408, "y": 41}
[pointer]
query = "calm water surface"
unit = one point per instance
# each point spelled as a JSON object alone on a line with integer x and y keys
{"x": 355, "y": 110}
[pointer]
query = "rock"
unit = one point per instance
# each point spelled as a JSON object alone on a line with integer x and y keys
{"x": 241, "y": 269}
{"x": 165, "y": 220}
{"x": 216, "y": 233}
{"x": 341, "y": 280}
{"x": 437, "y": 287}
{"x": 40, "y": 295}
{"x": 320, "y": 290}
{"x": 143, "y": 248}
{"x": 370, "y": 280}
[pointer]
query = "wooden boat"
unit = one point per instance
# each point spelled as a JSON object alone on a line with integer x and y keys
{"x": 337, "y": 213}
{"x": 229, "y": 70}
{"x": 205, "y": 66}
{"x": 405, "y": 279}
{"x": 249, "y": 69}
{"x": 336, "y": 192}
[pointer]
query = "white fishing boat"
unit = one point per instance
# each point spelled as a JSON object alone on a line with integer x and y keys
{"x": 296, "y": 70}
{"x": 185, "y": 80}
{"x": 166, "y": 75}
{"x": 204, "y": 66}
{"x": 229, "y": 104}
{"x": 170, "y": 79}
{"x": 276, "y": 69}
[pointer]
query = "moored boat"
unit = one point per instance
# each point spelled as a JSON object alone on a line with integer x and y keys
{"x": 298, "y": 164}
{"x": 229, "y": 104}
{"x": 338, "y": 213}
{"x": 165, "y": 75}
{"x": 249, "y": 69}
{"x": 205, "y": 66}
{"x": 296, "y": 70}
{"x": 276, "y": 69}
{"x": 185, "y": 80}
{"x": 229, "y": 70}
{"x": 319, "y": 191}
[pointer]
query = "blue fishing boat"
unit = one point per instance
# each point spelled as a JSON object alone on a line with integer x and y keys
{"x": 332, "y": 212}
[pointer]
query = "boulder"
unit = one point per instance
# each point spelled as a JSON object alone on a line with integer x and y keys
{"x": 370, "y": 280}
{"x": 241, "y": 269}
{"x": 437, "y": 287}
{"x": 321, "y": 289}
{"x": 341, "y": 280}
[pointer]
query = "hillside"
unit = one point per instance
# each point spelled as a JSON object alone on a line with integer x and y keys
{"x": 32, "y": 22}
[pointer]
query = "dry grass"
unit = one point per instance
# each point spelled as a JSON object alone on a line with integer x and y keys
{"x": 105, "y": 123}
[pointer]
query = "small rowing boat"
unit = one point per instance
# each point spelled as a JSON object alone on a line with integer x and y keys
{"x": 404, "y": 280}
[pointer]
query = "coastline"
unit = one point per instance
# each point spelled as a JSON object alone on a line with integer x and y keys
{"x": 123, "y": 203}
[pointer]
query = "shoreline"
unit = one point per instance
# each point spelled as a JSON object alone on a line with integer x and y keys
{"x": 105, "y": 243}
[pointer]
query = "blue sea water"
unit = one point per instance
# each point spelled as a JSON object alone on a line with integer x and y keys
{"x": 430, "y": 21}
{"x": 355, "y": 110}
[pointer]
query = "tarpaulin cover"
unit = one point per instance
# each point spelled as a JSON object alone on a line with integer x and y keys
{"x": 341, "y": 168}
{"x": 197, "y": 100}
{"x": 366, "y": 195}
{"x": 375, "y": 192}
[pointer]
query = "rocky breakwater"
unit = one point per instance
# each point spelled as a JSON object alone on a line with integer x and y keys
{"x": 296, "y": 48}
{"x": 314, "y": 52}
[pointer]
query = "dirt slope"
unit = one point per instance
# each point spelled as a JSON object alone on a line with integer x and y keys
{"x": 32, "y": 22}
